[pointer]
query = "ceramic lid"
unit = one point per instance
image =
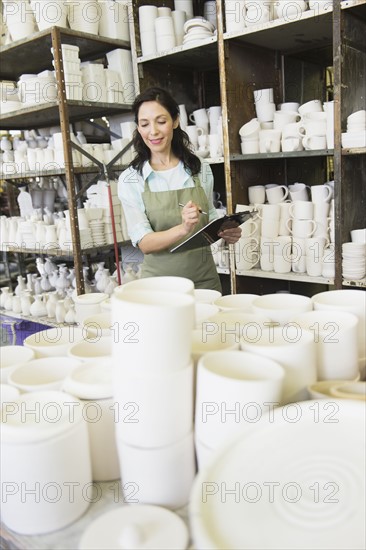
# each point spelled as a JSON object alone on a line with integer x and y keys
{"x": 92, "y": 380}
{"x": 37, "y": 416}
{"x": 136, "y": 527}
{"x": 294, "y": 480}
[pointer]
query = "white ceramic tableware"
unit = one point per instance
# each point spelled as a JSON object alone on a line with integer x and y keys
{"x": 321, "y": 193}
{"x": 154, "y": 330}
{"x": 54, "y": 341}
{"x": 301, "y": 228}
{"x": 234, "y": 15}
{"x": 232, "y": 387}
{"x": 294, "y": 349}
{"x": 248, "y": 479}
{"x": 298, "y": 191}
{"x": 281, "y": 308}
{"x": 11, "y": 357}
{"x": 40, "y": 437}
{"x": 257, "y": 194}
{"x": 95, "y": 347}
{"x": 205, "y": 295}
{"x": 353, "y": 301}
{"x": 335, "y": 337}
{"x": 236, "y": 301}
{"x": 162, "y": 475}
{"x": 276, "y": 193}
{"x": 45, "y": 374}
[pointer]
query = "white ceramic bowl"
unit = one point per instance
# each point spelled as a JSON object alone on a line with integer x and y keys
{"x": 43, "y": 374}
{"x": 12, "y": 357}
{"x": 98, "y": 325}
{"x": 281, "y": 308}
{"x": 100, "y": 348}
{"x": 54, "y": 341}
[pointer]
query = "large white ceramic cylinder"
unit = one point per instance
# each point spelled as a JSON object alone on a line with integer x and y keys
{"x": 353, "y": 301}
{"x": 236, "y": 301}
{"x": 335, "y": 337}
{"x": 92, "y": 384}
{"x": 233, "y": 388}
{"x": 161, "y": 476}
{"x": 88, "y": 304}
{"x": 153, "y": 410}
{"x": 161, "y": 284}
{"x": 282, "y": 307}
{"x": 153, "y": 331}
{"x": 294, "y": 349}
{"x": 45, "y": 463}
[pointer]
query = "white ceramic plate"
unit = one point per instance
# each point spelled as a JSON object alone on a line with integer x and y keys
{"x": 295, "y": 482}
{"x": 198, "y": 22}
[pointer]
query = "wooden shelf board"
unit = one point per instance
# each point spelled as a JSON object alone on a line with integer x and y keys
{"x": 33, "y": 54}
{"x": 312, "y": 29}
{"x": 285, "y": 276}
{"x": 360, "y": 284}
{"x": 354, "y": 151}
{"x": 202, "y": 56}
{"x": 58, "y": 252}
{"x": 59, "y": 172}
{"x": 47, "y": 114}
{"x": 282, "y": 155}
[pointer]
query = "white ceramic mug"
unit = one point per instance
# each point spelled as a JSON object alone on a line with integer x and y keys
{"x": 246, "y": 253}
{"x": 276, "y": 193}
{"x": 298, "y": 191}
{"x": 265, "y": 111}
{"x": 314, "y": 247}
{"x": 257, "y": 194}
{"x": 301, "y": 228}
{"x": 193, "y": 133}
{"x": 321, "y": 193}
{"x": 302, "y": 210}
{"x": 269, "y": 141}
{"x": 291, "y": 144}
{"x": 314, "y": 143}
{"x": 200, "y": 118}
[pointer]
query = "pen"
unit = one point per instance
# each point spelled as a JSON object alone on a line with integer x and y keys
{"x": 199, "y": 210}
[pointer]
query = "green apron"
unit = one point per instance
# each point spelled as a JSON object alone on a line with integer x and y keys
{"x": 163, "y": 211}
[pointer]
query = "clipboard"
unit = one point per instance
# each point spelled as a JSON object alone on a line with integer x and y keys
{"x": 209, "y": 234}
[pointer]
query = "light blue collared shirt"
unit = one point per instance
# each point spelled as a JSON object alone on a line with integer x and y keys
{"x": 131, "y": 186}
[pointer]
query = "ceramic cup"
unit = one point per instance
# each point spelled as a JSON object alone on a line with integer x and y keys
{"x": 232, "y": 386}
{"x": 335, "y": 337}
{"x": 294, "y": 349}
{"x": 162, "y": 475}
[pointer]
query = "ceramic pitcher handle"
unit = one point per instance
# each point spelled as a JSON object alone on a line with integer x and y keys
{"x": 286, "y": 190}
{"x": 314, "y": 228}
{"x": 330, "y": 192}
{"x": 191, "y": 118}
{"x": 288, "y": 225}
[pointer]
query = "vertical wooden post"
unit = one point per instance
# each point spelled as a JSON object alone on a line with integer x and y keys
{"x": 69, "y": 167}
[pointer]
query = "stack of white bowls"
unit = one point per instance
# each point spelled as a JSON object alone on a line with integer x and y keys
{"x": 196, "y": 30}
{"x": 164, "y": 31}
{"x": 353, "y": 261}
{"x": 153, "y": 387}
{"x": 84, "y": 16}
{"x": 356, "y": 130}
{"x": 19, "y": 19}
{"x": 147, "y": 16}
{"x": 49, "y": 13}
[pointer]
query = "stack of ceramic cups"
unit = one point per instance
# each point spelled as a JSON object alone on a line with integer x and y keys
{"x": 355, "y": 136}
{"x": 153, "y": 388}
{"x": 313, "y": 125}
{"x": 93, "y": 78}
{"x": 147, "y": 16}
{"x": 249, "y": 136}
{"x": 205, "y": 133}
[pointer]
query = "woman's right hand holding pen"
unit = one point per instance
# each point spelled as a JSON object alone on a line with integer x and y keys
{"x": 190, "y": 216}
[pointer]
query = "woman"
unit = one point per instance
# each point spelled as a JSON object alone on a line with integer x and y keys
{"x": 164, "y": 175}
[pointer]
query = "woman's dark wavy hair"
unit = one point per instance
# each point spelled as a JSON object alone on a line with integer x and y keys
{"x": 181, "y": 146}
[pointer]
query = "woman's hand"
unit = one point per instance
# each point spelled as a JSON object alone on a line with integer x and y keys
{"x": 190, "y": 216}
{"x": 231, "y": 236}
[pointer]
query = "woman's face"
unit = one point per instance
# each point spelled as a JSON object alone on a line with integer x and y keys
{"x": 155, "y": 125}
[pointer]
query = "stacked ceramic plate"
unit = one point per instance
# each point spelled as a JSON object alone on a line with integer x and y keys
{"x": 354, "y": 261}
{"x": 356, "y": 130}
{"x": 196, "y": 30}
{"x": 97, "y": 231}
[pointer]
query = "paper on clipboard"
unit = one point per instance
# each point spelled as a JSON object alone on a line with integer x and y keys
{"x": 209, "y": 234}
